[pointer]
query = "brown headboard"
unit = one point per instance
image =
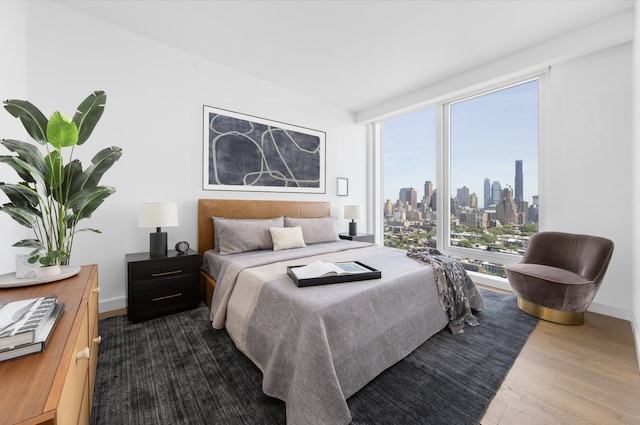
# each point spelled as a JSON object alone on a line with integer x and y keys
{"x": 230, "y": 208}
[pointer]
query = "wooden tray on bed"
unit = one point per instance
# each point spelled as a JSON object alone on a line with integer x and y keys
{"x": 336, "y": 278}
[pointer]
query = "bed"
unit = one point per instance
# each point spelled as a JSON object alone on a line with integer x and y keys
{"x": 318, "y": 345}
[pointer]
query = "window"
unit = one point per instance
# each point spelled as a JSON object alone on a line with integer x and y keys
{"x": 488, "y": 163}
{"x": 410, "y": 180}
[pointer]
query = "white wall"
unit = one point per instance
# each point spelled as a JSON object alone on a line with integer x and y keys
{"x": 13, "y": 85}
{"x": 587, "y": 161}
{"x": 154, "y": 113}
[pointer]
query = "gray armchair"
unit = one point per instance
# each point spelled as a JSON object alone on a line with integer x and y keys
{"x": 559, "y": 275}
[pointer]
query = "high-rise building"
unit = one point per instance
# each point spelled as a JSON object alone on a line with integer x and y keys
{"x": 434, "y": 200}
{"x": 487, "y": 193}
{"x": 409, "y": 196}
{"x": 473, "y": 201}
{"x": 388, "y": 208}
{"x": 428, "y": 192}
{"x": 496, "y": 193}
{"x": 506, "y": 211}
{"x": 463, "y": 197}
{"x": 518, "y": 195}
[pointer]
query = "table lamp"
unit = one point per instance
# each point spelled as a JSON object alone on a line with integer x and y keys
{"x": 158, "y": 214}
{"x": 352, "y": 212}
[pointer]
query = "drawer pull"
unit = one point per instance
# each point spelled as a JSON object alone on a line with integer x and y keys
{"x": 96, "y": 290}
{"x": 84, "y": 354}
{"x": 97, "y": 340}
{"x": 167, "y": 297}
{"x": 166, "y": 273}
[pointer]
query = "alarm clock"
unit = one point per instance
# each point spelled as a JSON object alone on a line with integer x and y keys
{"x": 182, "y": 247}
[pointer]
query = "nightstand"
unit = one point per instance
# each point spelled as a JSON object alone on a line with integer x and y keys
{"x": 362, "y": 237}
{"x": 157, "y": 286}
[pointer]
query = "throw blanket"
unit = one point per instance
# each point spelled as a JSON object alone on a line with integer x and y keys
{"x": 458, "y": 294}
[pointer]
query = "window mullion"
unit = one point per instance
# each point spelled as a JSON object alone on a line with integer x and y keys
{"x": 442, "y": 173}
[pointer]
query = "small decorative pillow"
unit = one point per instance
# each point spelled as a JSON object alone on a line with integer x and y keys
{"x": 232, "y": 236}
{"x": 315, "y": 230}
{"x": 287, "y": 238}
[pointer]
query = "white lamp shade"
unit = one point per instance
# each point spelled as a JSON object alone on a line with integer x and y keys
{"x": 352, "y": 212}
{"x": 158, "y": 214}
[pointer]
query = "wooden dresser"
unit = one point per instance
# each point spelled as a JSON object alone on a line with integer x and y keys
{"x": 56, "y": 386}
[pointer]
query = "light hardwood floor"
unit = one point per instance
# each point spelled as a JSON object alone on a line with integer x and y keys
{"x": 572, "y": 375}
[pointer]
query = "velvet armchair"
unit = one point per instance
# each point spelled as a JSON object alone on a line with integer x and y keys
{"x": 559, "y": 275}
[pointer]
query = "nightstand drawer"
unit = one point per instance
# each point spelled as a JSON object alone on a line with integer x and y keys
{"x": 163, "y": 300}
{"x": 157, "y": 270}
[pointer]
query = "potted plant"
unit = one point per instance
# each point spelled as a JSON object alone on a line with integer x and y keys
{"x": 54, "y": 196}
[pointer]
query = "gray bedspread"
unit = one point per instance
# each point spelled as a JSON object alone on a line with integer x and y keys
{"x": 318, "y": 345}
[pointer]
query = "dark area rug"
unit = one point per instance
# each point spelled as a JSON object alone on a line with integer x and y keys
{"x": 178, "y": 370}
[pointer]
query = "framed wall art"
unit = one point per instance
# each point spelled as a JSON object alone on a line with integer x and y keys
{"x": 246, "y": 153}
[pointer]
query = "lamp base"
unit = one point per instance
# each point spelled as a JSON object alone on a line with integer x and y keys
{"x": 158, "y": 244}
{"x": 353, "y": 228}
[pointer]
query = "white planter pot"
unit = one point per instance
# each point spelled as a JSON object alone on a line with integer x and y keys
{"x": 47, "y": 271}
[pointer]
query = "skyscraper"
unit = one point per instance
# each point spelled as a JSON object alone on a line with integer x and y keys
{"x": 518, "y": 195}
{"x": 507, "y": 212}
{"x": 487, "y": 193}
{"x": 463, "y": 196}
{"x": 428, "y": 191}
{"x": 496, "y": 192}
{"x": 409, "y": 196}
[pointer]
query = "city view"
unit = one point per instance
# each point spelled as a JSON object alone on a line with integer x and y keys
{"x": 504, "y": 225}
{"x": 492, "y": 172}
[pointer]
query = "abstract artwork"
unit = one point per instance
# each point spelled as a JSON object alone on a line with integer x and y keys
{"x": 242, "y": 152}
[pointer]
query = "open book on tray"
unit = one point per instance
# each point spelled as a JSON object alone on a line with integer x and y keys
{"x": 320, "y": 273}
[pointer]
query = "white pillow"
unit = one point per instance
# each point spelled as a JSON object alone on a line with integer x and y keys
{"x": 286, "y": 238}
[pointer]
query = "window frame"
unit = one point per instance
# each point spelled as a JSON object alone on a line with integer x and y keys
{"x": 443, "y": 164}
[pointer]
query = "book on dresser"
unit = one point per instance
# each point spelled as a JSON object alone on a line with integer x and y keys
{"x": 41, "y": 338}
{"x": 21, "y": 320}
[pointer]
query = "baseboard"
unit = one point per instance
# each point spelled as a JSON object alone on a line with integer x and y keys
{"x": 105, "y": 306}
{"x": 607, "y": 310}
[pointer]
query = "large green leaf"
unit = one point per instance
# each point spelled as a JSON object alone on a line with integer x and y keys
{"x": 72, "y": 172}
{"x": 20, "y": 195}
{"x": 32, "y": 119}
{"x": 26, "y": 152}
{"x": 61, "y": 131}
{"x": 88, "y": 114}
{"x": 38, "y": 178}
{"x": 22, "y": 173}
{"x": 54, "y": 177}
{"x": 29, "y": 243}
{"x": 101, "y": 162}
{"x": 85, "y": 202}
{"x": 21, "y": 215}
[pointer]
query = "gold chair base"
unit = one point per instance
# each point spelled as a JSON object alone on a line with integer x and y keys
{"x": 550, "y": 314}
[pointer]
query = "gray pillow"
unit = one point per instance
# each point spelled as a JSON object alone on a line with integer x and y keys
{"x": 232, "y": 236}
{"x": 315, "y": 230}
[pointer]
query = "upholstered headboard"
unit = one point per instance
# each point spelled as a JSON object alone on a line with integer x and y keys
{"x": 230, "y": 208}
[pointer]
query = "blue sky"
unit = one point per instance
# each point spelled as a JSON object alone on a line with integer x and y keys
{"x": 488, "y": 134}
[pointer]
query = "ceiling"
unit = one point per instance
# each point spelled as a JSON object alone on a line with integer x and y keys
{"x": 353, "y": 54}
